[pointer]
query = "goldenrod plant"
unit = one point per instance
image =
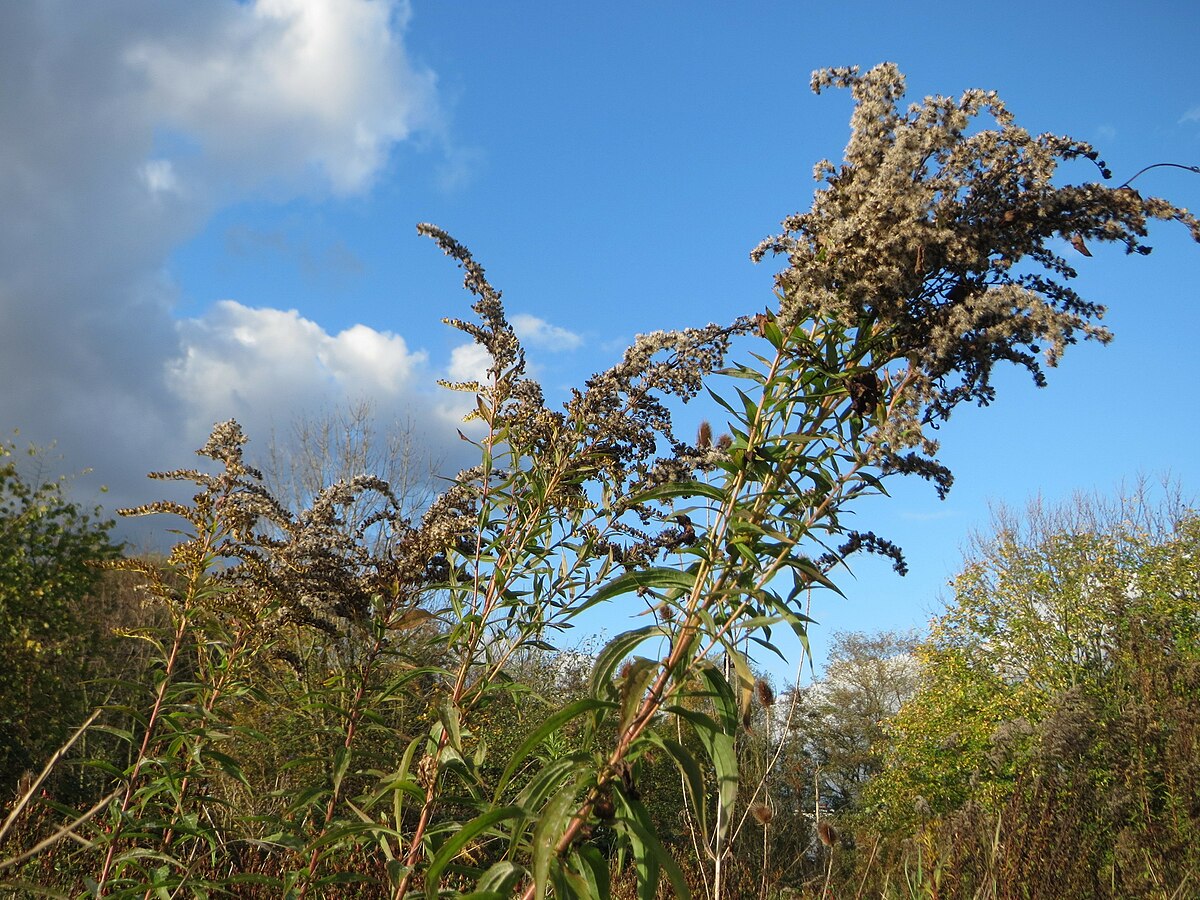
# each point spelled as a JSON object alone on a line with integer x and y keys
{"x": 939, "y": 247}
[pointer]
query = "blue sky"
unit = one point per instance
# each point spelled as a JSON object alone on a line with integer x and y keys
{"x": 210, "y": 211}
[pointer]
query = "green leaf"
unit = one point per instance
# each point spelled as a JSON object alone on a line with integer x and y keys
{"x": 634, "y": 682}
{"x": 402, "y": 680}
{"x": 498, "y": 881}
{"x": 751, "y": 408}
{"x": 554, "y": 723}
{"x": 814, "y": 574}
{"x": 656, "y": 577}
{"x": 548, "y": 781}
{"x": 773, "y": 333}
{"x": 693, "y": 778}
{"x": 745, "y": 679}
{"x": 452, "y": 847}
{"x": 741, "y": 370}
{"x": 675, "y": 489}
{"x": 451, "y": 725}
{"x": 551, "y": 824}
{"x": 396, "y": 871}
{"x": 592, "y": 865}
{"x": 341, "y": 762}
{"x": 718, "y": 742}
{"x": 613, "y": 652}
{"x": 796, "y": 620}
{"x": 119, "y": 733}
{"x": 648, "y": 852}
{"x": 721, "y": 695}
{"x": 568, "y": 885}
{"x": 721, "y": 401}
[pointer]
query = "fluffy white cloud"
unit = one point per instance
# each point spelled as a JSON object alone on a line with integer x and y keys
{"x": 252, "y": 363}
{"x": 127, "y": 124}
{"x": 278, "y": 89}
{"x": 468, "y": 362}
{"x": 535, "y": 332}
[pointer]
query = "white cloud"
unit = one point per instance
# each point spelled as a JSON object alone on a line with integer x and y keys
{"x": 159, "y": 176}
{"x": 126, "y": 126}
{"x": 252, "y": 364}
{"x": 1192, "y": 115}
{"x": 468, "y": 362}
{"x": 537, "y": 332}
{"x": 280, "y": 89}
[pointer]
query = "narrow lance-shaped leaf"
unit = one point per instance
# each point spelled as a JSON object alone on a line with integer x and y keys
{"x": 660, "y": 577}
{"x": 552, "y": 822}
{"x": 553, "y": 724}
{"x": 451, "y": 848}
{"x": 615, "y": 651}
{"x": 693, "y": 777}
{"x": 717, "y": 738}
{"x": 649, "y": 854}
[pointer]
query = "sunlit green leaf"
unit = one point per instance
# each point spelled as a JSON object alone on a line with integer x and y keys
{"x": 660, "y": 577}
{"x": 481, "y": 824}
{"x": 613, "y": 653}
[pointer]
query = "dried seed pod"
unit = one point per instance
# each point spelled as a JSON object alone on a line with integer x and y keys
{"x": 827, "y": 834}
{"x": 427, "y": 772}
{"x": 603, "y": 805}
{"x": 764, "y": 692}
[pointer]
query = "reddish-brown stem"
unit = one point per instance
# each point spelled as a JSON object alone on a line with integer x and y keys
{"x": 681, "y": 648}
{"x": 209, "y": 704}
{"x": 159, "y": 697}
{"x": 351, "y": 730}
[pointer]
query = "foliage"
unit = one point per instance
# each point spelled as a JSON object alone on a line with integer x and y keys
{"x": 842, "y": 730}
{"x": 1052, "y": 748}
{"x": 47, "y": 637}
{"x": 432, "y": 765}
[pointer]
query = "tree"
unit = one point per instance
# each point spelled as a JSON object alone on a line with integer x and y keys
{"x": 1059, "y": 696}
{"x": 397, "y": 484}
{"x": 867, "y": 680}
{"x": 349, "y": 441}
{"x": 48, "y": 640}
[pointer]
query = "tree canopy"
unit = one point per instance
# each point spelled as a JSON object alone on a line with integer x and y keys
{"x": 1059, "y": 695}
{"x": 46, "y": 631}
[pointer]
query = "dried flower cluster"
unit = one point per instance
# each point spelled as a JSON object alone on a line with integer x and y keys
{"x": 270, "y": 568}
{"x": 624, "y": 407}
{"x": 608, "y": 434}
{"x": 940, "y": 240}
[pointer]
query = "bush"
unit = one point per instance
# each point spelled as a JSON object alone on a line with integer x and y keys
{"x": 50, "y": 641}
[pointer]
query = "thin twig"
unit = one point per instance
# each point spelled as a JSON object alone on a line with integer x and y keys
{"x": 1195, "y": 169}
{"x": 67, "y": 830}
{"x": 58, "y": 755}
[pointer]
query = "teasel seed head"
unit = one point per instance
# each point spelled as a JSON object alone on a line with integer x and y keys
{"x": 764, "y": 692}
{"x": 827, "y": 833}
